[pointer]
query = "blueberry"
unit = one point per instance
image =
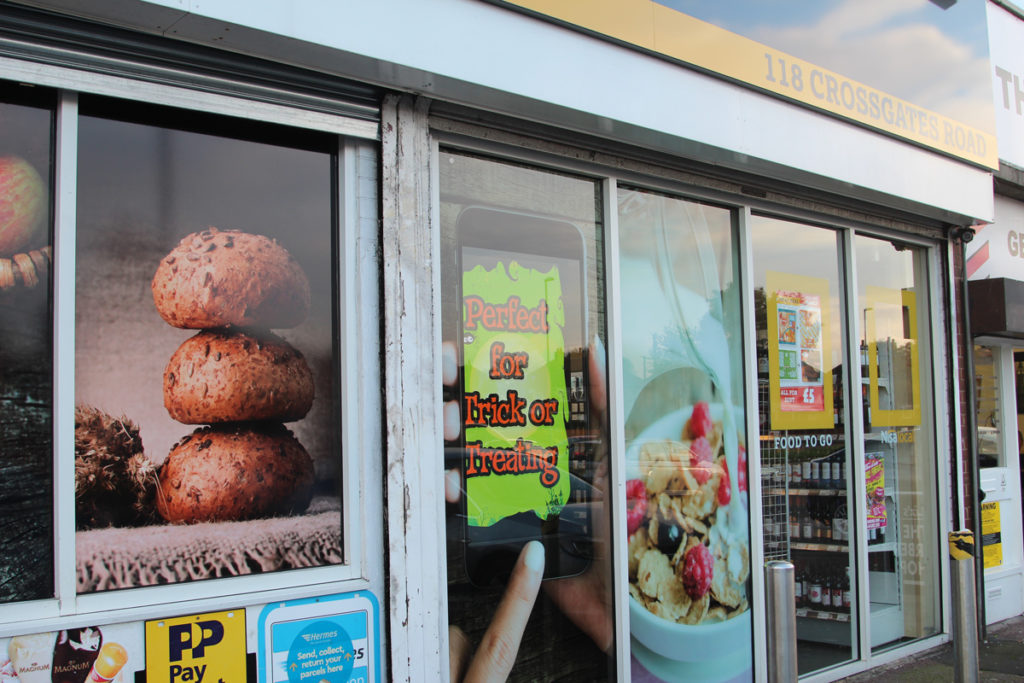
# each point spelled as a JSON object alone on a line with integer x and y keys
{"x": 669, "y": 536}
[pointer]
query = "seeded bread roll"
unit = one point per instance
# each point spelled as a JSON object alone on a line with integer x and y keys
{"x": 233, "y": 473}
{"x": 216, "y": 278}
{"x": 228, "y": 375}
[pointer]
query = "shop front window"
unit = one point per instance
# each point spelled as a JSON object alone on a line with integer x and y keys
{"x": 206, "y": 362}
{"x": 687, "y": 516}
{"x": 809, "y": 518}
{"x": 526, "y": 437}
{"x": 998, "y": 405}
{"x": 26, "y": 331}
{"x": 899, "y": 445}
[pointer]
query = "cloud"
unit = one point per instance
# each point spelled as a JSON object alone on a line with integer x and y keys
{"x": 883, "y": 43}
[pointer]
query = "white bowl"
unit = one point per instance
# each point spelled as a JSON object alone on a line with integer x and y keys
{"x": 683, "y": 642}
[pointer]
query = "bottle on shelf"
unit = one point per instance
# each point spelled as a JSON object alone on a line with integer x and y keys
{"x": 815, "y": 589}
{"x": 837, "y": 589}
{"x": 798, "y": 592}
{"x": 827, "y": 480}
{"x": 840, "y": 524}
{"x": 847, "y": 594}
{"x": 806, "y": 524}
{"x": 826, "y": 590}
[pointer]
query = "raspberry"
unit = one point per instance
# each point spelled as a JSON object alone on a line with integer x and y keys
{"x": 698, "y": 567}
{"x": 724, "y": 492}
{"x": 741, "y": 477}
{"x": 700, "y": 420}
{"x": 700, "y": 460}
{"x": 636, "y": 504}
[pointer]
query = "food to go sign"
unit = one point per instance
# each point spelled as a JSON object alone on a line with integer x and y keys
{"x": 201, "y": 648}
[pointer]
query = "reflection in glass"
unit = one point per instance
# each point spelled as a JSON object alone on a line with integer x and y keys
{"x": 687, "y": 515}
{"x": 524, "y": 313}
{"x": 988, "y": 406}
{"x": 899, "y": 442}
{"x": 806, "y": 480}
{"x": 247, "y": 210}
{"x": 26, "y": 332}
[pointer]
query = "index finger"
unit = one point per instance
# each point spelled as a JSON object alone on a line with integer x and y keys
{"x": 500, "y": 645}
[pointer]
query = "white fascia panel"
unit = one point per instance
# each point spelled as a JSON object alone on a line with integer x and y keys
{"x": 486, "y": 56}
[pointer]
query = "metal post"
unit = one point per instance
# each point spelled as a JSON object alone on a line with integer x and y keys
{"x": 781, "y": 631}
{"x": 965, "y": 615}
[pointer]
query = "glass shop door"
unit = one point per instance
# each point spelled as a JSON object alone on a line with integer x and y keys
{"x": 999, "y": 390}
{"x": 849, "y": 492}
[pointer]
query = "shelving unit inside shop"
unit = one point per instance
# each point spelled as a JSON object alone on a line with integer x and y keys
{"x": 812, "y": 527}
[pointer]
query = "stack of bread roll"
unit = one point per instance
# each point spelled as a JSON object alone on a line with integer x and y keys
{"x": 235, "y": 377}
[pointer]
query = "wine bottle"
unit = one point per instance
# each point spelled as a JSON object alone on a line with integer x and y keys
{"x": 815, "y": 588}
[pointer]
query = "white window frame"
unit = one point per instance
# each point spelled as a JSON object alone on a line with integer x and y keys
{"x": 360, "y": 410}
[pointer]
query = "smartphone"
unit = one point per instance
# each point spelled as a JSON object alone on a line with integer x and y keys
{"x": 523, "y": 391}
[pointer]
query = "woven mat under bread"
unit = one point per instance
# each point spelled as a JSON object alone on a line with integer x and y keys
{"x": 109, "y": 559}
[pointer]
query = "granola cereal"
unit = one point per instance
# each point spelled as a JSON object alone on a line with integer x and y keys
{"x": 687, "y": 564}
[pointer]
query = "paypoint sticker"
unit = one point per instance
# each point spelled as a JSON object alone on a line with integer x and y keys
{"x": 201, "y": 648}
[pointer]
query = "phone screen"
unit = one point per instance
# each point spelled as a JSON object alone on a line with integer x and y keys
{"x": 523, "y": 389}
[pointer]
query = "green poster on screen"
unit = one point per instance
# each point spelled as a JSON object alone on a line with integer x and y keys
{"x": 515, "y": 456}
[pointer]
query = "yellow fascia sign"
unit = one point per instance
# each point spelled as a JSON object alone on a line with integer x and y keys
{"x": 664, "y": 31}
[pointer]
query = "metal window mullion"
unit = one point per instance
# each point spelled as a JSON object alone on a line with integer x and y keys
{"x": 65, "y": 226}
{"x": 352, "y": 534}
{"x": 855, "y": 437}
{"x": 939, "y": 351}
{"x": 616, "y": 419}
{"x": 436, "y": 283}
{"x": 951, "y": 339}
{"x": 753, "y": 431}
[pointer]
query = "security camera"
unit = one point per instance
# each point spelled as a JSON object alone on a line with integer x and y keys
{"x": 964, "y": 234}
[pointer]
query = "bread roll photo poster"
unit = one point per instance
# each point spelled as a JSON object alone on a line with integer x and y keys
{"x": 206, "y": 376}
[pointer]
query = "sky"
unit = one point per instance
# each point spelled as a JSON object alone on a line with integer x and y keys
{"x": 935, "y": 58}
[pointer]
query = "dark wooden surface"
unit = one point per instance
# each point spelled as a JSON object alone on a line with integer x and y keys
{"x": 26, "y": 445}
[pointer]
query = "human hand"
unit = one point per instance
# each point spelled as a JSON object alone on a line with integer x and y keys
{"x": 496, "y": 655}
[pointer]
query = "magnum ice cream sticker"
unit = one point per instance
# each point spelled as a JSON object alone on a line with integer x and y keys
{"x": 32, "y": 656}
{"x": 514, "y": 380}
{"x": 74, "y": 655}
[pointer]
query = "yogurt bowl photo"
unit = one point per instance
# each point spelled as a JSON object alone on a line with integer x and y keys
{"x": 689, "y": 543}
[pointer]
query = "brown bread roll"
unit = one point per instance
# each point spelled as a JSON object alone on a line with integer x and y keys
{"x": 216, "y": 278}
{"x": 233, "y": 473}
{"x": 227, "y": 375}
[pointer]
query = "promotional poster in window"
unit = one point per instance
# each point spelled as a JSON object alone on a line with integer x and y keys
{"x": 26, "y": 333}
{"x": 207, "y": 435}
{"x": 687, "y": 503}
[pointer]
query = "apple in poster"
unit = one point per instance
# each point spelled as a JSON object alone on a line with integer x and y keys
{"x": 22, "y": 203}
